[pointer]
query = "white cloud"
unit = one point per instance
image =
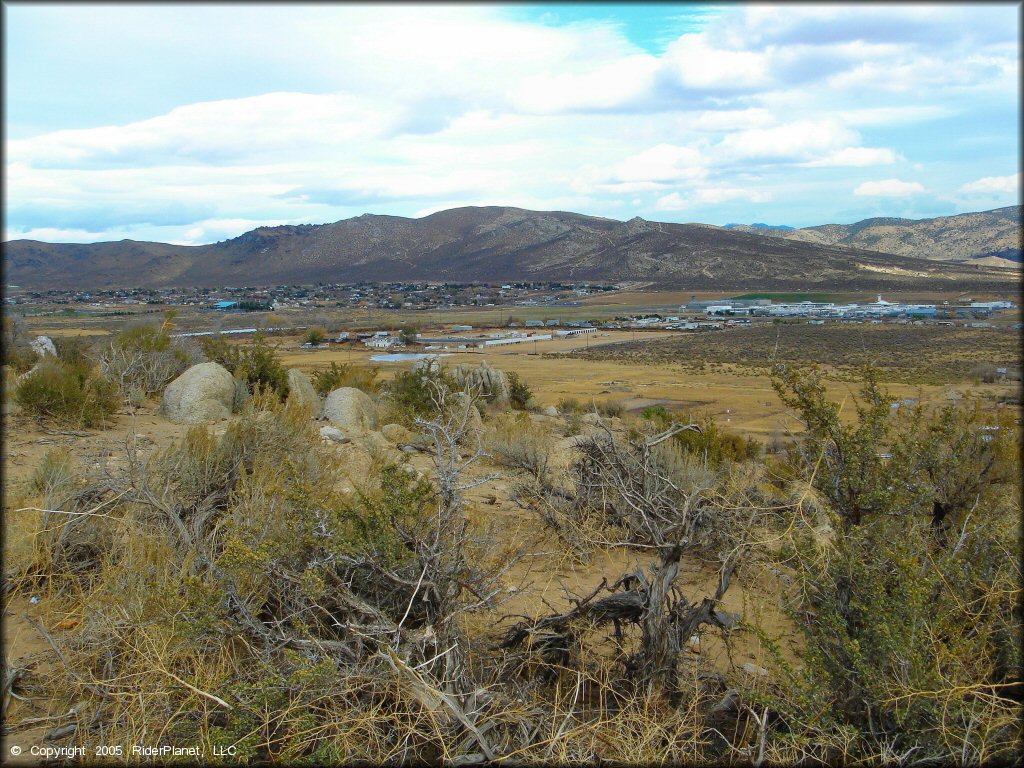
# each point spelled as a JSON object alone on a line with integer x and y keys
{"x": 994, "y": 185}
{"x": 710, "y": 196}
{"x": 803, "y": 139}
{"x": 856, "y": 157}
{"x": 57, "y": 235}
{"x": 888, "y": 188}
{"x": 398, "y": 109}
{"x": 693, "y": 63}
{"x": 664, "y": 162}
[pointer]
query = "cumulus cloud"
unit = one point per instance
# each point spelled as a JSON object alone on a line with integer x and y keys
{"x": 856, "y": 157}
{"x": 710, "y": 196}
{"x": 888, "y": 188}
{"x": 398, "y": 109}
{"x": 792, "y": 141}
{"x": 994, "y": 185}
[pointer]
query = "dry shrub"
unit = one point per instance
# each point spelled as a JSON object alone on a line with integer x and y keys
{"x": 71, "y": 394}
{"x": 611, "y": 408}
{"x": 142, "y": 359}
{"x": 326, "y": 380}
{"x": 239, "y": 597}
{"x": 517, "y": 443}
{"x": 983, "y": 373}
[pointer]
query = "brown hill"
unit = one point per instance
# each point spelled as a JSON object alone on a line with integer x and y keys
{"x": 963, "y": 237}
{"x": 487, "y": 244}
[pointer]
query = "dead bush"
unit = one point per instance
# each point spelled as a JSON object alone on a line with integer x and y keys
{"x": 142, "y": 359}
{"x": 517, "y": 443}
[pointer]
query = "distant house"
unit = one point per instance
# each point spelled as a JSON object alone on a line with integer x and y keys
{"x": 225, "y": 305}
{"x": 534, "y": 323}
{"x": 381, "y": 342}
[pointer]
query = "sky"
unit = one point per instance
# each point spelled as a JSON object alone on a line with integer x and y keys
{"x": 195, "y": 123}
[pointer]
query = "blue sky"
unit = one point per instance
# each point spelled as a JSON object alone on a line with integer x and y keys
{"x": 195, "y": 123}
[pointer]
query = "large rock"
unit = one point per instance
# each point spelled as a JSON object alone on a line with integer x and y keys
{"x": 489, "y": 383}
{"x": 201, "y": 394}
{"x": 43, "y": 346}
{"x": 464, "y": 407}
{"x": 375, "y": 444}
{"x": 350, "y": 408}
{"x": 301, "y": 392}
{"x": 334, "y": 435}
{"x": 396, "y": 433}
{"x": 430, "y": 364}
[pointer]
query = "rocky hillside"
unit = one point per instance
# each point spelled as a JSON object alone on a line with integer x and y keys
{"x": 986, "y": 235}
{"x": 488, "y": 244}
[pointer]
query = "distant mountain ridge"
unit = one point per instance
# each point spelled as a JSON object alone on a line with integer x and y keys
{"x": 962, "y": 237}
{"x": 487, "y": 244}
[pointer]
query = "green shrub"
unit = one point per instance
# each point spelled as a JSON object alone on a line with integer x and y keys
{"x": 144, "y": 338}
{"x": 611, "y": 408}
{"x": 711, "y": 443}
{"x": 326, "y": 380}
{"x": 19, "y": 356}
{"x": 912, "y": 631}
{"x": 413, "y": 392}
{"x": 67, "y": 393}
{"x": 315, "y": 335}
{"x": 519, "y": 392}
{"x": 256, "y": 363}
{"x": 570, "y": 406}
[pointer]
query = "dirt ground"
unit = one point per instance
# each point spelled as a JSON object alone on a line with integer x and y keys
{"x": 543, "y": 580}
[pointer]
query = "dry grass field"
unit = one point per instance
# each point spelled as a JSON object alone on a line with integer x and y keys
{"x": 906, "y": 353}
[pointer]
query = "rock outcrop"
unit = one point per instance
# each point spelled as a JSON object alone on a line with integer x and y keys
{"x": 489, "y": 383}
{"x": 334, "y": 434}
{"x": 202, "y": 394}
{"x": 43, "y": 346}
{"x": 396, "y": 433}
{"x": 463, "y": 405}
{"x": 430, "y": 364}
{"x": 350, "y": 409}
{"x": 301, "y": 392}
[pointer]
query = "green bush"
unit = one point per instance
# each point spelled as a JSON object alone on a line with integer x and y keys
{"x": 911, "y": 627}
{"x": 74, "y": 350}
{"x": 315, "y": 335}
{"x": 570, "y": 406}
{"x": 20, "y": 357}
{"x": 256, "y": 363}
{"x": 413, "y": 392}
{"x": 70, "y": 394}
{"x": 711, "y": 443}
{"x": 144, "y": 338}
{"x": 611, "y": 408}
{"x": 519, "y": 392}
{"x": 326, "y": 380}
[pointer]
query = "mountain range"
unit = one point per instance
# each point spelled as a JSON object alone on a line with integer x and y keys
{"x": 489, "y": 244}
{"x": 990, "y": 235}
